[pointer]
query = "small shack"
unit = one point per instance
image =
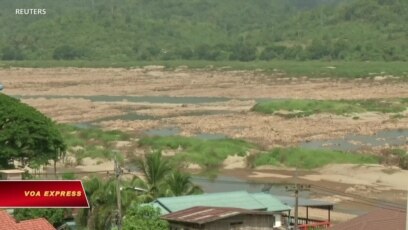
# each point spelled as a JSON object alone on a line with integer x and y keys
{"x": 238, "y": 199}
{"x": 213, "y": 218}
{"x": 11, "y": 174}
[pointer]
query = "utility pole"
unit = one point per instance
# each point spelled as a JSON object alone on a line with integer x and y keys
{"x": 55, "y": 163}
{"x": 118, "y": 172}
{"x": 296, "y": 188}
{"x": 406, "y": 224}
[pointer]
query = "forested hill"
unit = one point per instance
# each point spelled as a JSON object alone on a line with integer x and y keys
{"x": 206, "y": 29}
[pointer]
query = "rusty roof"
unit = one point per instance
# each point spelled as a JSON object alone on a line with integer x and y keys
{"x": 380, "y": 219}
{"x": 9, "y": 223}
{"x": 202, "y": 215}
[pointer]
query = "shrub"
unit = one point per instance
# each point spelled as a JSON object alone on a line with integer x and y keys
{"x": 12, "y": 53}
{"x": 67, "y": 52}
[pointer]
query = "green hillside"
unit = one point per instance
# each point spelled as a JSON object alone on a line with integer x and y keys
{"x": 243, "y": 30}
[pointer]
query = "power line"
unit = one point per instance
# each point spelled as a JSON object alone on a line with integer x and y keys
{"x": 356, "y": 198}
{"x": 373, "y": 202}
{"x": 368, "y": 202}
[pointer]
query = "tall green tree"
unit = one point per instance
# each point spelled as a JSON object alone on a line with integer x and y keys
{"x": 180, "y": 184}
{"x": 55, "y": 216}
{"x": 155, "y": 169}
{"x": 101, "y": 194}
{"x": 143, "y": 218}
{"x": 160, "y": 178}
{"x": 27, "y": 135}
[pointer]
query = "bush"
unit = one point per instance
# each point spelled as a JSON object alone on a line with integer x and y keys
{"x": 242, "y": 52}
{"x": 67, "y": 52}
{"x": 206, "y": 52}
{"x": 404, "y": 162}
{"x": 311, "y": 158}
{"x": 12, "y": 53}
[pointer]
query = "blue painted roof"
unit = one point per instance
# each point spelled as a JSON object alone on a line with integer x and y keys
{"x": 272, "y": 203}
{"x": 238, "y": 199}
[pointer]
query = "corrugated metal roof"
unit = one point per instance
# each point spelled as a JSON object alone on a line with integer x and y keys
{"x": 376, "y": 220}
{"x": 202, "y": 215}
{"x": 303, "y": 202}
{"x": 9, "y": 223}
{"x": 239, "y": 199}
{"x": 272, "y": 203}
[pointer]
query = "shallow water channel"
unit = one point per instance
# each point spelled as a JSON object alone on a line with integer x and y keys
{"x": 353, "y": 142}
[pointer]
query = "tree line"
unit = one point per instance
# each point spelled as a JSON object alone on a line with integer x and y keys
{"x": 241, "y": 30}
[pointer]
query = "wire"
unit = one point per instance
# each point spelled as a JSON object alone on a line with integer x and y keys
{"x": 356, "y": 198}
{"x": 362, "y": 200}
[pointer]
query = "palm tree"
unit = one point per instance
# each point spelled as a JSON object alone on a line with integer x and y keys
{"x": 155, "y": 169}
{"x": 180, "y": 184}
{"x": 102, "y": 201}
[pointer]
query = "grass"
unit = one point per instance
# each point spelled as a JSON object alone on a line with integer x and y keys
{"x": 305, "y": 107}
{"x": 342, "y": 69}
{"x": 95, "y": 142}
{"x": 309, "y": 159}
{"x": 206, "y": 153}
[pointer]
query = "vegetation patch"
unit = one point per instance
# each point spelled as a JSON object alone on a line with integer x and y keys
{"x": 309, "y": 159}
{"x": 352, "y": 30}
{"x": 398, "y": 157}
{"x": 206, "y": 153}
{"x": 342, "y": 69}
{"x": 305, "y": 107}
{"x": 91, "y": 142}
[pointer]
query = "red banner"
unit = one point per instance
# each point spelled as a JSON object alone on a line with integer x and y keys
{"x": 42, "y": 194}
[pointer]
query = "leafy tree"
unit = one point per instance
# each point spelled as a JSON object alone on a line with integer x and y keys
{"x": 206, "y": 52}
{"x": 12, "y": 53}
{"x": 55, "y": 216}
{"x": 27, "y": 135}
{"x": 102, "y": 201}
{"x": 243, "y": 52}
{"x": 67, "y": 52}
{"x": 143, "y": 218}
{"x": 111, "y": 28}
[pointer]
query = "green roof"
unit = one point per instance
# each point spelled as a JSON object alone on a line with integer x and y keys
{"x": 239, "y": 199}
{"x": 272, "y": 203}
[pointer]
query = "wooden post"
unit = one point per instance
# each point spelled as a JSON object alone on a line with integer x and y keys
{"x": 329, "y": 215}
{"x": 406, "y": 224}
{"x": 118, "y": 195}
{"x": 296, "y": 189}
{"x": 55, "y": 163}
{"x": 307, "y": 214}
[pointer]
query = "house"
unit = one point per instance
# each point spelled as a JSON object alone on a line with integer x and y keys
{"x": 11, "y": 174}
{"x": 240, "y": 199}
{"x": 214, "y": 218}
{"x": 380, "y": 219}
{"x": 9, "y": 223}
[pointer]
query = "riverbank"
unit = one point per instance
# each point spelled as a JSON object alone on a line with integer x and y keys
{"x": 217, "y": 103}
{"x": 338, "y": 69}
{"x": 198, "y": 101}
